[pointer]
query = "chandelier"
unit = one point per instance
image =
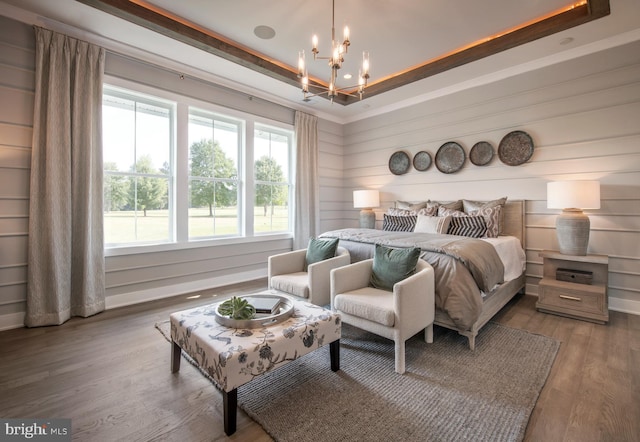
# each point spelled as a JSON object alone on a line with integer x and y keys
{"x": 335, "y": 60}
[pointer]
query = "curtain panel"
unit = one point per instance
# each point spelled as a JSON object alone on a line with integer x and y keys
{"x": 307, "y": 201}
{"x": 65, "y": 275}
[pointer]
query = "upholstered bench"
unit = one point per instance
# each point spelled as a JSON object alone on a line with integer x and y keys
{"x": 233, "y": 357}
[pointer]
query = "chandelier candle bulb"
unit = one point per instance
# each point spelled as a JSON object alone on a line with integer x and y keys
{"x": 301, "y": 64}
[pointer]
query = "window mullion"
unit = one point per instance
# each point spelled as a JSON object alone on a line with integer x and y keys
{"x": 249, "y": 180}
{"x": 182, "y": 173}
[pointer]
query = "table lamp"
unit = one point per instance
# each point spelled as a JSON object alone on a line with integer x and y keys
{"x": 572, "y": 226}
{"x": 366, "y": 200}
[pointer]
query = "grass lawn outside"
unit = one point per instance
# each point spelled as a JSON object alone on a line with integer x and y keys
{"x": 128, "y": 226}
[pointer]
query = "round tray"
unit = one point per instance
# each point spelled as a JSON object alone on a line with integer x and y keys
{"x": 481, "y": 153}
{"x": 422, "y": 161}
{"x": 285, "y": 310}
{"x": 399, "y": 163}
{"x": 450, "y": 157}
{"x": 515, "y": 148}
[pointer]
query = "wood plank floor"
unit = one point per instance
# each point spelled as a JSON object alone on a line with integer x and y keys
{"x": 110, "y": 375}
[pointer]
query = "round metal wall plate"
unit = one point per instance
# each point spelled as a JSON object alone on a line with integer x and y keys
{"x": 450, "y": 157}
{"x": 422, "y": 161}
{"x": 399, "y": 163}
{"x": 481, "y": 153}
{"x": 515, "y": 148}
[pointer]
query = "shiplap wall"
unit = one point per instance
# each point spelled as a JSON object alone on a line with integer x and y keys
{"x": 17, "y": 87}
{"x": 584, "y": 126}
{"x": 132, "y": 277}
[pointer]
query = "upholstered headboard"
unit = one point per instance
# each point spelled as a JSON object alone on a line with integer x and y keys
{"x": 514, "y": 220}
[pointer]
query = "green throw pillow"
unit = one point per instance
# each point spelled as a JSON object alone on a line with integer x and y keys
{"x": 392, "y": 265}
{"x": 319, "y": 250}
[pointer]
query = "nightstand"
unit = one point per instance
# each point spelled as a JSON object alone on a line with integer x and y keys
{"x": 575, "y": 300}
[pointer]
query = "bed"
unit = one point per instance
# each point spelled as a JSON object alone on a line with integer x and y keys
{"x": 471, "y": 286}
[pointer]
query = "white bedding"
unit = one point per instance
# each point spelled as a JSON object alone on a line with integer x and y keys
{"x": 511, "y": 254}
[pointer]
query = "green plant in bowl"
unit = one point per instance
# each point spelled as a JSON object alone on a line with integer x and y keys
{"x": 237, "y": 308}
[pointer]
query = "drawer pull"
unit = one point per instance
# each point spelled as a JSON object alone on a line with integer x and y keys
{"x": 570, "y": 298}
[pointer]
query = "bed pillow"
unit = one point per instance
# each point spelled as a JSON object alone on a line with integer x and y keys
{"x": 453, "y": 205}
{"x": 429, "y": 210}
{"x": 470, "y": 206}
{"x": 319, "y": 250}
{"x": 392, "y": 265}
{"x": 410, "y": 206}
{"x": 473, "y": 206}
{"x": 432, "y": 224}
{"x": 491, "y": 217}
{"x": 473, "y": 226}
{"x": 392, "y": 223}
{"x": 469, "y": 226}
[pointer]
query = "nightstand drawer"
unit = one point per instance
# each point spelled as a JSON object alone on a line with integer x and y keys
{"x": 578, "y": 301}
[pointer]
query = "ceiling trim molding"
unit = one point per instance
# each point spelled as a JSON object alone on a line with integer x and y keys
{"x": 188, "y": 33}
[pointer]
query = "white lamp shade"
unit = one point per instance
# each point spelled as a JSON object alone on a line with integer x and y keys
{"x": 573, "y": 194}
{"x": 366, "y": 199}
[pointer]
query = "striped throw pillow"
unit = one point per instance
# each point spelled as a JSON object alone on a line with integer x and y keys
{"x": 471, "y": 226}
{"x": 398, "y": 223}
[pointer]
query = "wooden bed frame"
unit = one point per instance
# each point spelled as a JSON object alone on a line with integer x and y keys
{"x": 513, "y": 226}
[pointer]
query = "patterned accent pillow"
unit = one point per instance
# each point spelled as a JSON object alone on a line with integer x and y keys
{"x": 399, "y": 223}
{"x": 492, "y": 217}
{"x": 432, "y": 224}
{"x": 471, "y": 226}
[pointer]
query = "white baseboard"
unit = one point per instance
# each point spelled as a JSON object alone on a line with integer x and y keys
{"x": 16, "y": 320}
{"x": 624, "y": 306}
{"x": 11, "y": 320}
{"x": 125, "y": 299}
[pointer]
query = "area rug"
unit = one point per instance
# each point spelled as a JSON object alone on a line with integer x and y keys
{"x": 448, "y": 393}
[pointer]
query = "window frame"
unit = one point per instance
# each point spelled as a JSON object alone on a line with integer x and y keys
{"x": 180, "y": 173}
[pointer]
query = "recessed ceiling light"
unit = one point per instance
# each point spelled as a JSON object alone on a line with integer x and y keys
{"x": 264, "y": 32}
{"x": 347, "y": 76}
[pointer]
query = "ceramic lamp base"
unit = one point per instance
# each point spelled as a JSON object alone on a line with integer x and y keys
{"x": 367, "y": 219}
{"x": 572, "y": 228}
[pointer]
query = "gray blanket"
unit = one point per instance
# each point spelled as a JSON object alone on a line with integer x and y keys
{"x": 463, "y": 267}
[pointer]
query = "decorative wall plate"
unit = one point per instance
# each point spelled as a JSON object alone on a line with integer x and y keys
{"x": 399, "y": 163}
{"x": 450, "y": 157}
{"x": 515, "y": 148}
{"x": 481, "y": 153}
{"x": 422, "y": 161}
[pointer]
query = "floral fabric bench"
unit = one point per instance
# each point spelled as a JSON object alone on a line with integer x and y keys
{"x": 233, "y": 357}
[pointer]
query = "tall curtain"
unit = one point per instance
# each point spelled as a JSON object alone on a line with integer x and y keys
{"x": 65, "y": 275}
{"x": 307, "y": 203}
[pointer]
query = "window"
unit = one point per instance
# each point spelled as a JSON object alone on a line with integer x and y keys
{"x": 272, "y": 175}
{"x": 178, "y": 170}
{"x": 138, "y": 150}
{"x": 214, "y": 146}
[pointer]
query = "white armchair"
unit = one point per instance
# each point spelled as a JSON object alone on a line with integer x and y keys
{"x": 396, "y": 315}
{"x": 286, "y": 273}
